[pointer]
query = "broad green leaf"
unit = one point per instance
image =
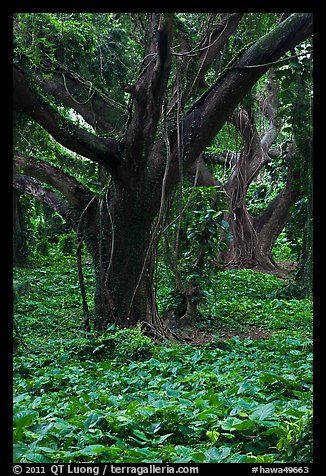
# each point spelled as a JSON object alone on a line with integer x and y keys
{"x": 244, "y": 425}
{"x": 216, "y": 455}
{"x": 184, "y": 454}
{"x": 95, "y": 420}
{"x": 262, "y": 412}
{"x": 19, "y": 398}
{"x": 198, "y": 457}
{"x": 90, "y": 450}
{"x": 154, "y": 427}
{"x": 61, "y": 424}
{"x": 159, "y": 403}
{"x": 186, "y": 430}
{"x": 141, "y": 435}
{"x": 196, "y": 356}
{"x": 213, "y": 435}
{"x": 229, "y": 423}
{"x": 163, "y": 438}
{"x": 46, "y": 449}
{"x": 37, "y": 458}
{"x": 24, "y": 418}
{"x": 146, "y": 411}
{"x": 19, "y": 449}
{"x": 42, "y": 428}
{"x": 245, "y": 385}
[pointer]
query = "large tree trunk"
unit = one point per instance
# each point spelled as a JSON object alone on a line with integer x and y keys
{"x": 118, "y": 233}
{"x": 254, "y": 237}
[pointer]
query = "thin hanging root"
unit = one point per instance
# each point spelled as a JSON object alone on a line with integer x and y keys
{"x": 100, "y": 208}
{"x": 112, "y": 239}
{"x": 64, "y": 320}
{"x": 80, "y": 238}
{"x": 82, "y": 289}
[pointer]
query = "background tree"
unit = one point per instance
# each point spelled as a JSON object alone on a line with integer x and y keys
{"x": 265, "y": 124}
{"x": 144, "y": 139}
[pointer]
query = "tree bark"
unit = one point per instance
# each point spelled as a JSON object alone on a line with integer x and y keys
{"x": 119, "y": 241}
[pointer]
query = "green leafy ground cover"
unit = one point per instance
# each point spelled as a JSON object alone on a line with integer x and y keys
{"x": 120, "y": 398}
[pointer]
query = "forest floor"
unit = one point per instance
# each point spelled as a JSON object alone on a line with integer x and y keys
{"x": 201, "y": 336}
{"x": 283, "y": 270}
{"x": 236, "y": 389}
{"x": 195, "y": 336}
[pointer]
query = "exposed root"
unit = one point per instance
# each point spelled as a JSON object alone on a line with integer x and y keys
{"x": 161, "y": 333}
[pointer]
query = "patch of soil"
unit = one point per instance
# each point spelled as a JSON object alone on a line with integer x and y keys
{"x": 283, "y": 269}
{"x": 288, "y": 266}
{"x": 195, "y": 336}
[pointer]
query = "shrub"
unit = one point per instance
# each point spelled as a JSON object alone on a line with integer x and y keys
{"x": 132, "y": 344}
{"x": 124, "y": 344}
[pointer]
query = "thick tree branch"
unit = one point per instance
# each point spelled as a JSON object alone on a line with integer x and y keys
{"x": 212, "y": 44}
{"x": 269, "y": 103}
{"x": 184, "y": 67}
{"x": 209, "y": 114}
{"x": 204, "y": 177}
{"x": 274, "y": 217}
{"x": 30, "y": 186}
{"x": 100, "y": 112}
{"x": 73, "y": 191}
{"x": 148, "y": 94}
{"x": 105, "y": 152}
{"x": 194, "y": 62}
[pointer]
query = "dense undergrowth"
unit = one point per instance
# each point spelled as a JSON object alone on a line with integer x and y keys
{"x": 120, "y": 398}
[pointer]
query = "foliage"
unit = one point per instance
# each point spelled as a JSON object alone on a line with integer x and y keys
{"x": 100, "y": 48}
{"x": 93, "y": 45}
{"x": 198, "y": 238}
{"x": 124, "y": 344}
{"x": 46, "y": 232}
{"x": 207, "y": 228}
{"x": 119, "y": 398}
{"x": 131, "y": 344}
{"x": 302, "y": 128}
{"x": 48, "y": 301}
{"x": 296, "y": 111}
{"x": 284, "y": 248}
{"x": 241, "y": 300}
{"x": 184, "y": 405}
